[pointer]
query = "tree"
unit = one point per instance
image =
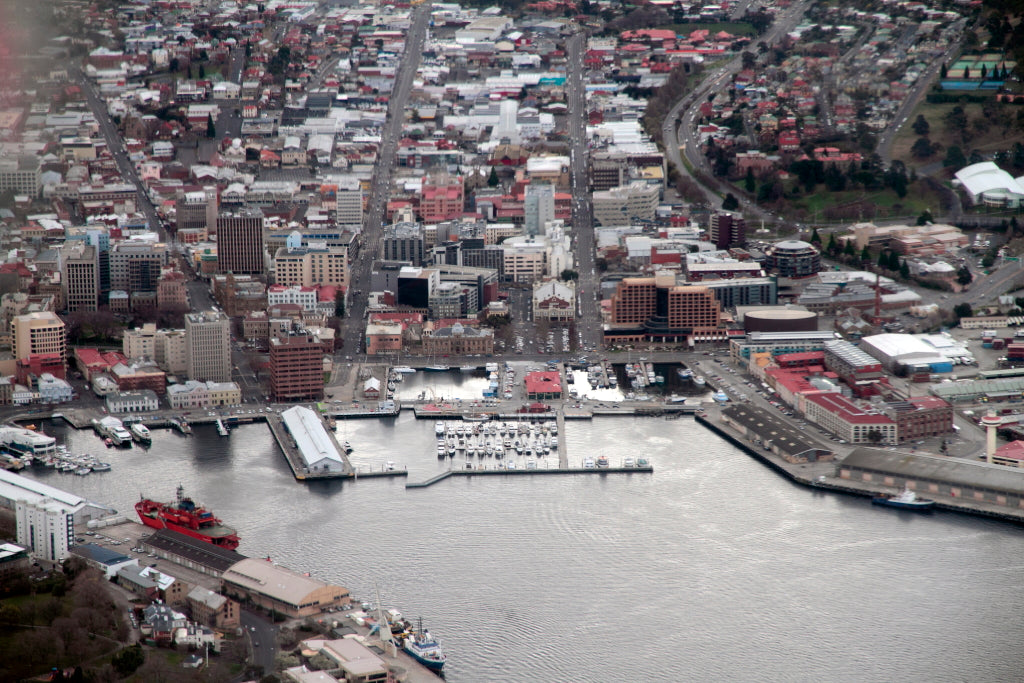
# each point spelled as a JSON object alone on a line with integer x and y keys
{"x": 339, "y": 303}
{"x": 964, "y": 276}
{"x": 211, "y": 128}
{"x": 984, "y": 72}
{"x": 904, "y": 270}
{"x": 815, "y": 237}
{"x": 832, "y": 247}
{"x": 848, "y": 248}
{"x": 883, "y": 260}
{"x": 875, "y": 436}
{"x": 748, "y": 183}
{"x": 963, "y": 310}
{"x": 922, "y": 148}
{"x": 954, "y": 157}
{"x": 173, "y": 64}
{"x": 943, "y": 71}
{"x": 925, "y": 218}
{"x": 730, "y": 203}
{"x": 202, "y": 71}
{"x": 967, "y": 72}
{"x": 129, "y": 659}
{"x": 492, "y": 180}
{"x": 920, "y": 125}
{"x": 568, "y": 274}
{"x": 865, "y": 254}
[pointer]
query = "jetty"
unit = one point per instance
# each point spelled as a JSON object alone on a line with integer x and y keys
{"x": 221, "y": 429}
{"x": 497, "y": 471}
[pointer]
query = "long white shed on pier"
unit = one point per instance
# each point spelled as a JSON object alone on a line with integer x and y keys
{"x": 319, "y": 454}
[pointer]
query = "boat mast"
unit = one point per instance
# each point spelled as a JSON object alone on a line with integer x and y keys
{"x": 384, "y": 627}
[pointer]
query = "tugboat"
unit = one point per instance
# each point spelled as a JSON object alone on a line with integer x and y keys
{"x": 424, "y": 649}
{"x": 905, "y": 500}
{"x": 186, "y": 517}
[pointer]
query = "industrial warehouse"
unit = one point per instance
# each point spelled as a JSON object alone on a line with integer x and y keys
{"x": 976, "y": 482}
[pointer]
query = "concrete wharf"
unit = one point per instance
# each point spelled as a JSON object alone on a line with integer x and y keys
{"x": 563, "y": 453}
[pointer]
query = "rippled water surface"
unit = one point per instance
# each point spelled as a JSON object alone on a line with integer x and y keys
{"x": 712, "y": 568}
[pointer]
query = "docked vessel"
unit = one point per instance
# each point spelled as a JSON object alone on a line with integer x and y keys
{"x": 699, "y": 381}
{"x": 405, "y": 370}
{"x": 905, "y": 500}
{"x": 685, "y": 374}
{"x": 424, "y": 649}
{"x": 186, "y": 517}
{"x": 437, "y": 368}
{"x": 141, "y": 433}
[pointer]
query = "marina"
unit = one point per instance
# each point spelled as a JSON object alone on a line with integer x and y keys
{"x": 716, "y": 533}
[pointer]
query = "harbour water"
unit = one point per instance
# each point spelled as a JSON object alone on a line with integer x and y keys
{"x": 712, "y": 568}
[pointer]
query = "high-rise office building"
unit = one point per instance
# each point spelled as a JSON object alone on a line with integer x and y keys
{"x": 728, "y": 230}
{"x": 208, "y": 346}
{"x": 538, "y": 207}
{"x": 39, "y": 333}
{"x": 135, "y": 265}
{"x": 296, "y": 367}
{"x": 404, "y": 242}
{"x": 197, "y": 209}
{"x": 80, "y": 277}
{"x": 240, "y": 243}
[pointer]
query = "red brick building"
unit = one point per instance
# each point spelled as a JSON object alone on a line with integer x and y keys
{"x": 296, "y": 368}
{"x": 924, "y": 416}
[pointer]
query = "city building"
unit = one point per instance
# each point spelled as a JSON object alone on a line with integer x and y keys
{"x": 240, "y": 243}
{"x": 728, "y": 230}
{"x": 538, "y": 207}
{"x": 136, "y": 265}
{"x": 657, "y": 309}
{"x": 212, "y": 609}
{"x": 197, "y": 210}
{"x": 142, "y": 401}
{"x": 932, "y": 475}
{"x": 312, "y": 266}
{"x": 920, "y": 417}
{"x": 742, "y": 349}
{"x": 543, "y": 385}
{"x": 793, "y": 259}
{"x": 626, "y": 205}
{"x": 37, "y": 334}
{"x": 166, "y": 347}
{"x": 80, "y": 276}
{"x": 987, "y": 184}
{"x": 45, "y": 516}
{"x": 208, "y": 346}
{"x": 448, "y": 300}
{"x": 296, "y": 367}
{"x": 458, "y": 340}
{"x": 554, "y": 301}
{"x": 273, "y": 587}
{"x": 14, "y": 561}
{"x": 21, "y": 175}
{"x": 383, "y": 337}
{"x": 171, "y": 291}
{"x": 404, "y": 242}
{"x": 861, "y": 372}
{"x": 442, "y": 198}
{"x": 847, "y": 420}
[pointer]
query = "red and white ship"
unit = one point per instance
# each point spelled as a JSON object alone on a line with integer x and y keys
{"x": 186, "y": 517}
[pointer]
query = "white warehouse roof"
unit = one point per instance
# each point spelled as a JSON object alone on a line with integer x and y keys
{"x": 987, "y": 179}
{"x": 313, "y": 441}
